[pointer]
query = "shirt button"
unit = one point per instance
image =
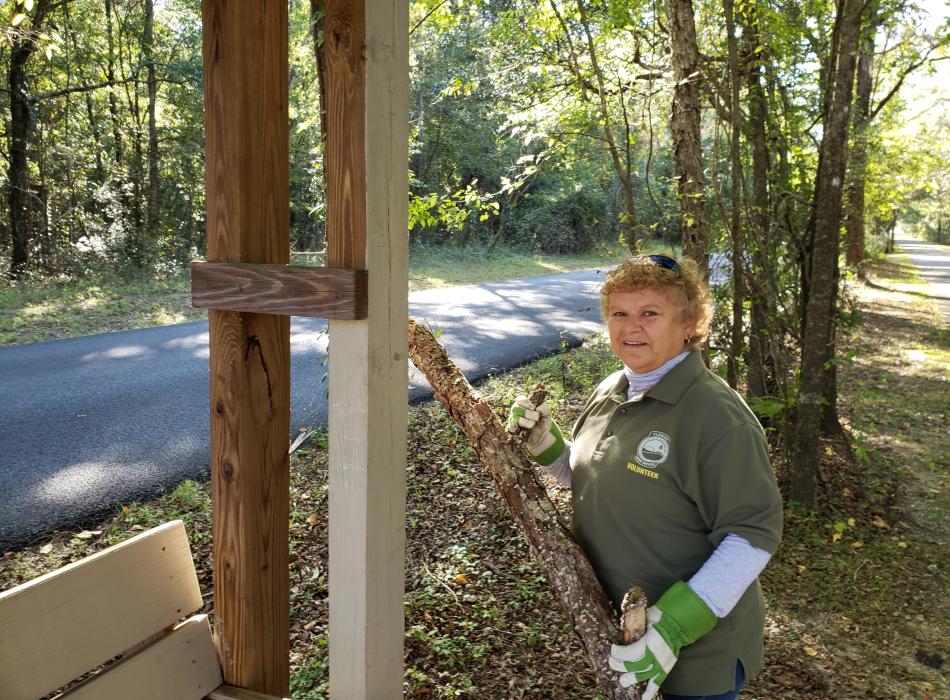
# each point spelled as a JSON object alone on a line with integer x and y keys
{"x": 623, "y": 411}
{"x": 609, "y": 433}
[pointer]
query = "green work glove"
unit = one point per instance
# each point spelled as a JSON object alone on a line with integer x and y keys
{"x": 544, "y": 441}
{"x": 679, "y": 618}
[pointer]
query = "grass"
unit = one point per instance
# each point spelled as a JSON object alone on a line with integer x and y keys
{"x": 31, "y": 312}
{"x": 35, "y": 311}
{"x": 447, "y": 267}
{"x": 857, "y": 593}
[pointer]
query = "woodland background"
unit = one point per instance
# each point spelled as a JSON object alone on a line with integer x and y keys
{"x": 792, "y": 140}
{"x": 774, "y": 134}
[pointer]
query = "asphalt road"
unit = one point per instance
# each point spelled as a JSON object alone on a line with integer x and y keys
{"x": 933, "y": 264}
{"x": 89, "y": 423}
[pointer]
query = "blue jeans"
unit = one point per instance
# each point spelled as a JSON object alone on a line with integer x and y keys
{"x": 729, "y": 695}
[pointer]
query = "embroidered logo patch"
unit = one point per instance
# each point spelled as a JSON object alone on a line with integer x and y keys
{"x": 653, "y": 449}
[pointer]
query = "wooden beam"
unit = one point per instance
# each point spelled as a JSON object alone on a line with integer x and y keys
{"x": 324, "y": 292}
{"x": 365, "y": 63}
{"x": 344, "y": 84}
{"x": 248, "y": 201}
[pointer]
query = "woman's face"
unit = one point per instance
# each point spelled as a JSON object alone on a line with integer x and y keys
{"x": 646, "y": 328}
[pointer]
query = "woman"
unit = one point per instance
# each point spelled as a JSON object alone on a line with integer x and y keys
{"x": 672, "y": 487}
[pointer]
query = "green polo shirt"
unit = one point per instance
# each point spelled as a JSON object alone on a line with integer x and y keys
{"x": 657, "y": 484}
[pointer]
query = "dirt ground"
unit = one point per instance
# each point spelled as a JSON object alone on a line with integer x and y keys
{"x": 857, "y": 597}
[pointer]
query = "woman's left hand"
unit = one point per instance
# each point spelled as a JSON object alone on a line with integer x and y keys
{"x": 544, "y": 441}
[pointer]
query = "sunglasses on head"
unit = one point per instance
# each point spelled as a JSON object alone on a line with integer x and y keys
{"x": 665, "y": 262}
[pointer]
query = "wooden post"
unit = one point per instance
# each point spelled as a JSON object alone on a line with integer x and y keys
{"x": 365, "y": 72}
{"x": 246, "y": 157}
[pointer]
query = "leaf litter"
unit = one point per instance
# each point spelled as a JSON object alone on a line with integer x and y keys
{"x": 856, "y": 595}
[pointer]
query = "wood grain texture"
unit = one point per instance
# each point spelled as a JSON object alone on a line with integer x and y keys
{"x": 562, "y": 561}
{"x": 246, "y": 131}
{"x": 181, "y": 665}
{"x": 323, "y": 292}
{"x": 246, "y": 127}
{"x": 55, "y": 628}
{"x": 250, "y": 428}
{"x": 343, "y": 62}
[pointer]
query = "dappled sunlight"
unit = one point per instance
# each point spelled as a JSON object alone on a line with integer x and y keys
{"x": 428, "y": 282}
{"x": 197, "y": 343}
{"x": 91, "y": 302}
{"x": 119, "y": 352}
{"x": 550, "y": 266}
{"x": 32, "y": 311}
{"x": 102, "y": 477}
{"x": 166, "y": 317}
{"x": 86, "y": 480}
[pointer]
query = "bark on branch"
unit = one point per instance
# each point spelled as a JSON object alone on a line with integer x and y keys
{"x": 561, "y": 559}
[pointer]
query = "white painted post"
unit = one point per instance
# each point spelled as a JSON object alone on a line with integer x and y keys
{"x": 368, "y": 393}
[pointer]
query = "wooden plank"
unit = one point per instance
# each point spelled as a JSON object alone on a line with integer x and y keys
{"x": 181, "y": 665}
{"x": 61, "y": 625}
{"x": 323, "y": 292}
{"x": 229, "y": 692}
{"x": 343, "y": 66}
{"x": 368, "y": 396}
{"x": 248, "y": 202}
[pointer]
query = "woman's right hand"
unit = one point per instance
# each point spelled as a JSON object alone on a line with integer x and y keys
{"x": 543, "y": 440}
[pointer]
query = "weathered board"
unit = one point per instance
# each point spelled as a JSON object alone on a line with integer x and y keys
{"x": 323, "y": 292}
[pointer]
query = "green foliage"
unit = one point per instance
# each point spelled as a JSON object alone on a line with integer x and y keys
{"x": 449, "y": 213}
{"x": 561, "y": 216}
{"x": 311, "y": 681}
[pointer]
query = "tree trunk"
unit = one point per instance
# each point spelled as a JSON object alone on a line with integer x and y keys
{"x": 735, "y": 218}
{"x": 684, "y": 124}
{"x": 622, "y": 162}
{"x": 561, "y": 559}
{"x": 151, "y": 204}
{"x": 97, "y": 135}
{"x": 761, "y": 381}
{"x": 133, "y": 240}
{"x": 20, "y": 130}
{"x": 818, "y": 333}
{"x": 113, "y": 102}
{"x": 854, "y": 219}
{"x": 21, "y": 124}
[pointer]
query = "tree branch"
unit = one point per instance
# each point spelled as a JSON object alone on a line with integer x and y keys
{"x": 563, "y": 562}
{"x": 81, "y": 88}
